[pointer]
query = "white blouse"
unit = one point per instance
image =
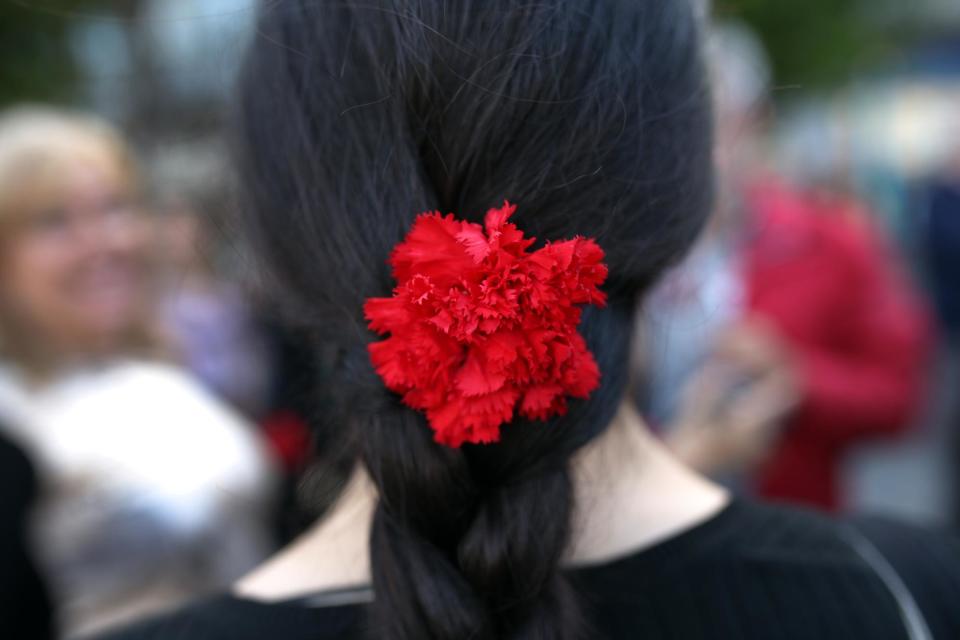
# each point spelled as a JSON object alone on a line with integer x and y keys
{"x": 154, "y": 491}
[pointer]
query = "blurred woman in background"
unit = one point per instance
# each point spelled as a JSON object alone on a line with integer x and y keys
{"x": 153, "y": 492}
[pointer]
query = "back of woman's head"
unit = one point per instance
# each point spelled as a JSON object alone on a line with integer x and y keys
{"x": 591, "y": 115}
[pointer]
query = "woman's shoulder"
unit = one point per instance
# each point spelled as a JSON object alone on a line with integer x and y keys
{"x": 163, "y": 393}
{"x": 754, "y": 568}
{"x": 201, "y": 620}
{"x": 168, "y": 408}
{"x": 792, "y": 538}
{"x": 926, "y": 563}
{"x": 122, "y": 385}
{"x": 744, "y": 532}
{"x": 745, "y": 571}
{"x": 226, "y": 617}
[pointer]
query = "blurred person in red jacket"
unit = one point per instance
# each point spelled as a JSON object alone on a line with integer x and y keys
{"x": 790, "y": 334}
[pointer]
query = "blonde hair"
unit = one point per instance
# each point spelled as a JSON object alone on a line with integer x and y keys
{"x": 37, "y": 143}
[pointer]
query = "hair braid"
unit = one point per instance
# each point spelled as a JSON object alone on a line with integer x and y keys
{"x": 468, "y": 543}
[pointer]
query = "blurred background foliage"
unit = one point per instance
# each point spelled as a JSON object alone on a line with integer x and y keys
{"x": 814, "y": 42}
{"x": 37, "y": 62}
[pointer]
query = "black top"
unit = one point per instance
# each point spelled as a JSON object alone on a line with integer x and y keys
{"x": 751, "y": 571}
{"x": 25, "y": 610}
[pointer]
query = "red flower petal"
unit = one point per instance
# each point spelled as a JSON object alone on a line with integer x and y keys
{"x": 475, "y": 243}
{"x": 476, "y": 377}
{"x": 384, "y": 313}
{"x": 480, "y": 329}
{"x": 391, "y": 363}
{"x": 537, "y": 401}
{"x": 431, "y": 248}
{"x": 496, "y": 218}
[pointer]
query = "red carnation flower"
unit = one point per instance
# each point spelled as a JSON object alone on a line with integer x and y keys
{"x": 480, "y": 328}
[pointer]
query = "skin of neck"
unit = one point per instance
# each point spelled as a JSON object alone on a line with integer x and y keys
{"x": 630, "y": 493}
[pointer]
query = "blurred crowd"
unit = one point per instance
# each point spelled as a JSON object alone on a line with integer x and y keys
{"x": 794, "y": 332}
{"x": 160, "y": 437}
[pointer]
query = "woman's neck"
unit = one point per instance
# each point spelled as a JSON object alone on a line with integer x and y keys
{"x": 630, "y": 494}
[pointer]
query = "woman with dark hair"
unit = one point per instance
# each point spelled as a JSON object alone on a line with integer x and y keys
{"x": 484, "y": 503}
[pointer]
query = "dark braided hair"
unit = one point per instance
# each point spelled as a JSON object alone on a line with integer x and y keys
{"x": 593, "y": 116}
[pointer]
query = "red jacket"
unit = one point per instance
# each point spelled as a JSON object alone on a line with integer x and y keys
{"x": 858, "y": 334}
